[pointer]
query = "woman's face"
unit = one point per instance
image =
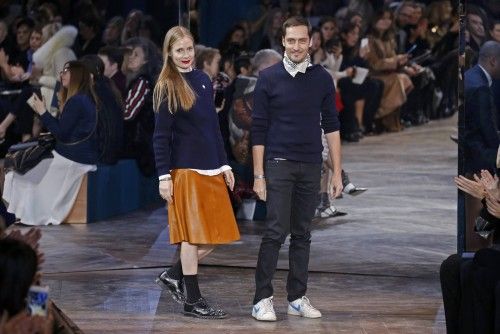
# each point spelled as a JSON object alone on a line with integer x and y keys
{"x": 238, "y": 37}
{"x": 352, "y": 37}
{"x": 315, "y": 41}
{"x": 35, "y": 40}
{"x": 384, "y": 23}
{"x": 328, "y": 29}
{"x": 65, "y": 77}
{"x": 277, "y": 20}
{"x": 182, "y": 54}
{"x": 136, "y": 59}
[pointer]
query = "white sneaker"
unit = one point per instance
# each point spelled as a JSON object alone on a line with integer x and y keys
{"x": 264, "y": 310}
{"x": 302, "y": 307}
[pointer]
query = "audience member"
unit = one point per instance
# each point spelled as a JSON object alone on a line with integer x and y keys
{"x": 142, "y": 69}
{"x": 113, "y": 31}
{"x": 112, "y": 57}
{"x": 46, "y": 193}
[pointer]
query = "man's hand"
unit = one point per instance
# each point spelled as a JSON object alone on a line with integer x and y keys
{"x": 473, "y": 188}
{"x": 166, "y": 190}
{"x": 493, "y": 206}
{"x": 490, "y": 184}
{"x": 335, "y": 185}
{"x": 259, "y": 186}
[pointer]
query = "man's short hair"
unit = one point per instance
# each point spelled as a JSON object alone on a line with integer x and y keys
{"x": 114, "y": 54}
{"x": 203, "y": 55}
{"x": 488, "y": 50}
{"x": 296, "y": 21}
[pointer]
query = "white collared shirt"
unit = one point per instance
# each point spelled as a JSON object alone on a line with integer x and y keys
{"x": 488, "y": 76}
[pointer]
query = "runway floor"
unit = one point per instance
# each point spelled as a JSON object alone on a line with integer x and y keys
{"x": 372, "y": 271}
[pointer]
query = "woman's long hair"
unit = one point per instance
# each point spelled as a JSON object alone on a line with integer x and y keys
{"x": 80, "y": 82}
{"x": 389, "y": 33}
{"x": 171, "y": 85}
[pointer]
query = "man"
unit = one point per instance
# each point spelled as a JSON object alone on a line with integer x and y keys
{"x": 481, "y": 137}
{"x": 292, "y": 99}
{"x": 112, "y": 57}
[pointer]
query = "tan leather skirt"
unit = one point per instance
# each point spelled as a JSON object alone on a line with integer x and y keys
{"x": 201, "y": 211}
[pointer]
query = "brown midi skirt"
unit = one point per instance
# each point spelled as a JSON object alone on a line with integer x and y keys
{"x": 201, "y": 211}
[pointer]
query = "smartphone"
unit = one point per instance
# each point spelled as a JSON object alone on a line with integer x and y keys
{"x": 410, "y": 50}
{"x": 37, "y": 301}
{"x": 364, "y": 42}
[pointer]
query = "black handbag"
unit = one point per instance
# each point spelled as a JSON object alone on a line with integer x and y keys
{"x": 23, "y": 157}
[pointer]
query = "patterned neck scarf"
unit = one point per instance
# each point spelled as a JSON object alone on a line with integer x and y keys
{"x": 294, "y": 68}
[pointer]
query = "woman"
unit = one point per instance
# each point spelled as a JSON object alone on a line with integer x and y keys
{"x": 192, "y": 165}
{"x": 142, "y": 68}
{"x": 387, "y": 66}
{"x": 46, "y": 194}
{"x": 361, "y": 101}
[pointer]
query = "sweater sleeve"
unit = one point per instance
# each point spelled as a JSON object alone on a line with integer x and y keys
{"x": 221, "y": 151}
{"x": 136, "y": 98}
{"x": 329, "y": 117}
{"x": 65, "y": 125}
{"x": 260, "y": 113}
{"x": 162, "y": 139}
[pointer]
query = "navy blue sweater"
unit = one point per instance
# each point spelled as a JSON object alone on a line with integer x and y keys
{"x": 289, "y": 112}
{"x": 190, "y": 139}
{"x": 76, "y": 122}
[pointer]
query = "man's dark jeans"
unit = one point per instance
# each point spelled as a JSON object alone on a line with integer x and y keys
{"x": 292, "y": 197}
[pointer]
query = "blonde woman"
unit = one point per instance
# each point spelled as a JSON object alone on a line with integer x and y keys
{"x": 192, "y": 165}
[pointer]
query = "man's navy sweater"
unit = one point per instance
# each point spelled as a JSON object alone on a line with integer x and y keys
{"x": 190, "y": 139}
{"x": 289, "y": 113}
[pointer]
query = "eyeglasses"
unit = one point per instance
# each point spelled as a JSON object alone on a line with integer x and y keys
{"x": 66, "y": 69}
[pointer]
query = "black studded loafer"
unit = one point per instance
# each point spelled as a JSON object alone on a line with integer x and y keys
{"x": 173, "y": 286}
{"x": 201, "y": 309}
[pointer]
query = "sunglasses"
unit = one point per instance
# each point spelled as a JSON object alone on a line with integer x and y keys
{"x": 66, "y": 69}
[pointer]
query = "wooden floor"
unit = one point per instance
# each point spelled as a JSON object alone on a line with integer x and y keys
{"x": 372, "y": 271}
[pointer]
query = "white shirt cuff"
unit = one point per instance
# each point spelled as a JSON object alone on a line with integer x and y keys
{"x": 164, "y": 177}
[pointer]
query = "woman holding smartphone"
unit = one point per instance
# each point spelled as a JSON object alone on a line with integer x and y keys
{"x": 192, "y": 168}
{"x": 46, "y": 193}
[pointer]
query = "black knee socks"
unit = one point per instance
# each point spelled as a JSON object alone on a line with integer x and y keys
{"x": 175, "y": 271}
{"x": 192, "y": 288}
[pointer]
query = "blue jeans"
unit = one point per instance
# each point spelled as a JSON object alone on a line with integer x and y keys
{"x": 292, "y": 197}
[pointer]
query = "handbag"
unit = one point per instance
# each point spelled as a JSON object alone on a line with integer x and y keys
{"x": 23, "y": 157}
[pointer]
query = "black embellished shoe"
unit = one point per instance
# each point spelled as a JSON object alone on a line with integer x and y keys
{"x": 173, "y": 286}
{"x": 201, "y": 309}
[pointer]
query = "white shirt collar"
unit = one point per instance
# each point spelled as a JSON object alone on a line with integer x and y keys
{"x": 294, "y": 68}
{"x": 488, "y": 76}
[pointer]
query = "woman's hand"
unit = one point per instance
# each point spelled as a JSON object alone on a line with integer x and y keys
{"x": 229, "y": 178}
{"x": 402, "y": 59}
{"x": 38, "y": 105}
{"x": 166, "y": 190}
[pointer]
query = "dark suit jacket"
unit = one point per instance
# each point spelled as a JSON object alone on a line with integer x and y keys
{"x": 481, "y": 131}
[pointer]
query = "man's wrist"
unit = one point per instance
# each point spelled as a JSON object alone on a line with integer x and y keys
{"x": 259, "y": 176}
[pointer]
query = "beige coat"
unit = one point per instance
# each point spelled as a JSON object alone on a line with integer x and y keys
{"x": 384, "y": 66}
